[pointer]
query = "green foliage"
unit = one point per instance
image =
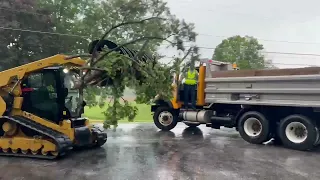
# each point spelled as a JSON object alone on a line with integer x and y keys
{"x": 155, "y": 82}
{"x": 54, "y": 18}
{"x": 20, "y": 47}
{"x": 118, "y": 111}
{"x": 148, "y": 79}
{"x": 245, "y": 51}
{"x": 158, "y": 82}
{"x": 89, "y": 20}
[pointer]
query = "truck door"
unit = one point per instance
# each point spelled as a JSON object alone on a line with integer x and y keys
{"x": 181, "y": 90}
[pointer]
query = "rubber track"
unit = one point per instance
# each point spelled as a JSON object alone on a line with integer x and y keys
{"x": 63, "y": 142}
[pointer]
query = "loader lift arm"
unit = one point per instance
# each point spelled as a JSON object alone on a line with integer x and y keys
{"x": 11, "y": 78}
{"x": 20, "y": 71}
{"x": 101, "y": 78}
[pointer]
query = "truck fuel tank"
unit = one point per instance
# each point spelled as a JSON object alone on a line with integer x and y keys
{"x": 202, "y": 116}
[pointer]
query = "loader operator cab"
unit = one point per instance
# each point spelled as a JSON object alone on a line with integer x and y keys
{"x": 49, "y": 94}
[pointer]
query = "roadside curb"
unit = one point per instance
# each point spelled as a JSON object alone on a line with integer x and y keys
{"x": 101, "y": 122}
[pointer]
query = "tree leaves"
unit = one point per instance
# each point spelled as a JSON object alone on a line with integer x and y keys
{"x": 245, "y": 51}
{"x": 130, "y": 26}
{"x": 89, "y": 20}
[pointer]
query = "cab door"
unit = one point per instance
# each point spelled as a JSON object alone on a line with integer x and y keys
{"x": 40, "y": 95}
{"x": 180, "y": 92}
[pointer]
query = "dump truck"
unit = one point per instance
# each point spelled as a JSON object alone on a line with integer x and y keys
{"x": 279, "y": 104}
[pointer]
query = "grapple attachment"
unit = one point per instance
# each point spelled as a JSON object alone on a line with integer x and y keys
{"x": 100, "y": 78}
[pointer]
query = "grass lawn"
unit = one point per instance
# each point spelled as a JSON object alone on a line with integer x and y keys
{"x": 96, "y": 114}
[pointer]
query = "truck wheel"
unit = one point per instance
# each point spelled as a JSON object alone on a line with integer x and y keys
{"x": 254, "y": 127}
{"x": 298, "y": 132}
{"x": 165, "y": 119}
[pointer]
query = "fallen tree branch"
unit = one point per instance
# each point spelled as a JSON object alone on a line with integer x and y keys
{"x": 117, "y": 26}
{"x": 129, "y": 23}
{"x": 186, "y": 55}
{"x": 125, "y": 44}
{"x": 123, "y": 99}
{"x": 92, "y": 68}
{"x": 142, "y": 48}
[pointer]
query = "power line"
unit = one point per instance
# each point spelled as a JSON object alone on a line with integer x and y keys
{"x": 281, "y": 56}
{"x": 294, "y": 64}
{"x": 41, "y": 32}
{"x": 274, "y": 63}
{"x": 26, "y": 12}
{"x": 200, "y": 47}
{"x": 290, "y": 53}
{"x": 267, "y": 52}
{"x": 267, "y": 40}
{"x": 200, "y": 34}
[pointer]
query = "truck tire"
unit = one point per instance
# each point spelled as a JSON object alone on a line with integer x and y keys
{"x": 254, "y": 127}
{"x": 298, "y": 132}
{"x": 165, "y": 118}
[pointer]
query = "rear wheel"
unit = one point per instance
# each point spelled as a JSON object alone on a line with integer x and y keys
{"x": 165, "y": 118}
{"x": 298, "y": 132}
{"x": 254, "y": 127}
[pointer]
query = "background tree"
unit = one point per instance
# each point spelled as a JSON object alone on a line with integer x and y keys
{"x": 67, "y": 16}
{"x": 18, "y": 44}
{"x": 34, "y": 29}
{"x": 245, "y": 51}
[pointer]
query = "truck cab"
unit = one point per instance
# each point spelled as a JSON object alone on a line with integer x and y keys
{"x": 204, "y": 69}
{"x": 166, "y": 111}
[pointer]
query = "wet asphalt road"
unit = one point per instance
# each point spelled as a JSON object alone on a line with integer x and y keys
{"x": 139, "y": 151}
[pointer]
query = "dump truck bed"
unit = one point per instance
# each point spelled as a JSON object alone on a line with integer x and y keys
{"x": 267, "y": 72}
{"x": 281, "y": 87}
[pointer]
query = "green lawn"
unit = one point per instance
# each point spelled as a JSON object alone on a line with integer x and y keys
{"x": 144, "y": 114}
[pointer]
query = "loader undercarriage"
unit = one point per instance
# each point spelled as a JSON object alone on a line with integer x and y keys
{"x": 45, "y": 143}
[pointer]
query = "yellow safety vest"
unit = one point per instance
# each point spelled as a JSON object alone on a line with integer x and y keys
{"x": 191, "y": 78}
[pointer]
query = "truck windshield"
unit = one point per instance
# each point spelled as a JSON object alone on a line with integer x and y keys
{"x": 73, "y": 97}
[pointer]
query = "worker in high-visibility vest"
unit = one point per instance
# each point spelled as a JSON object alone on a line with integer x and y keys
{"x": 190, "y": 85}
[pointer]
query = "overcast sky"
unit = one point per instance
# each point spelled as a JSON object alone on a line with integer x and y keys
{"x": 273, "y": 22}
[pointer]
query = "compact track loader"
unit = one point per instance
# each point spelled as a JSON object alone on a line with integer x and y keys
{"x": 39, "y": 110}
